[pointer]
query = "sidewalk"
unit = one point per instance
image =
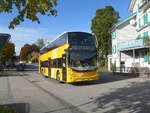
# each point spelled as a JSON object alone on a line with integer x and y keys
{"x": 18, "y": 92}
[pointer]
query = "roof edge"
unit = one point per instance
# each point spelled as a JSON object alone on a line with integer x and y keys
{"x": 132, "y": 2}
{"x": 124, "y": 20}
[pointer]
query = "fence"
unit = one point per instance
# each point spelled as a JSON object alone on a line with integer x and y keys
{"x": 133, "y": 69}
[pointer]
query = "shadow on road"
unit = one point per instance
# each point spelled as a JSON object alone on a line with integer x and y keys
{"x": 135, "y": 98}
{"x": 19, "y": 107}
{"x": 105, "y": 77}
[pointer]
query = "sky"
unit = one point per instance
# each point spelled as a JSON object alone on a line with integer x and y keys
{"x": 73, "y": 15}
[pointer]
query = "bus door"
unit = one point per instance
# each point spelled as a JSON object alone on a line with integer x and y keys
{"x": 49, "y": 67}
{"x": 64, "y": 74}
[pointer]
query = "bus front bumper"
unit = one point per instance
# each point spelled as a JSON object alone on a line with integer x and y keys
{"x": 82, "y": 79}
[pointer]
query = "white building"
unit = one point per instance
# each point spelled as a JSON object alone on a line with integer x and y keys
{"x": 129, "y": 36}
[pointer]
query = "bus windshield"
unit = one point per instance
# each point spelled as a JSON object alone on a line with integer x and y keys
{"x": 84, "y": 65}
{"x": 82, "y": 60}
{"x": 82, "y": 39}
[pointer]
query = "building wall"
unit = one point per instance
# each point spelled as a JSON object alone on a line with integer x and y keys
{"x": 136, "y": 6}
{"x": 126, "y": 32}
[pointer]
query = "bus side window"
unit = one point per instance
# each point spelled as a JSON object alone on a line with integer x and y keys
{"x": 63, "y": 60}
{"x": 60, "y": 62}
{"x": 55, "y": 63}
{"x": 52, "y": 63}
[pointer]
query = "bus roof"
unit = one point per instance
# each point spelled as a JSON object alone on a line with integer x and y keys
{"x": 60, "y": 40}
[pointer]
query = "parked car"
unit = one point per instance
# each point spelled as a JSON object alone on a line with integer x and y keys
{"x": 20, "y": 67}
{"x": 1, "y": 68}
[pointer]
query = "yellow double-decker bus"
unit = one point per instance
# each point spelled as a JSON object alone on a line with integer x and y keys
{"x": 72, "y": 57}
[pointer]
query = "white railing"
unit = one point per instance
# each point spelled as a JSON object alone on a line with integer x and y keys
{"x": 131, "y": 44}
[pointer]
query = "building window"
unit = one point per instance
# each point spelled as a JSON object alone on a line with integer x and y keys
{"x": 139, "y": 23}
{"x": 113, "y": 35}
{"x": 114, "y": 49}
{"x": 148, "y": 17}
{"x": 143, "y": 21}
{"x": 145, "y": 18}
{"x": 145, "y": 34}
{"x": 146, "y": 58}
{"x": 138, "y": 8}
{"x": 139, "y": 36}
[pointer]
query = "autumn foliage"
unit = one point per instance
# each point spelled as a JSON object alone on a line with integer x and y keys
{"x": 29, "y": 9}
{"x": 8, "y": 52}
{"x": 27, "y": 51}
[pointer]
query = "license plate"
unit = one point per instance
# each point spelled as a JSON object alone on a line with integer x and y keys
{"x": 86, "y": 79}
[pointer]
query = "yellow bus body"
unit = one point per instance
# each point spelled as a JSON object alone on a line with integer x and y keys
{"x": 75, "y": 76}
{"x": 71, "y": 75}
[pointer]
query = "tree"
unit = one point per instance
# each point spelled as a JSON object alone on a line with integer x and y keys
{"x": 41, "y": 43}
{"x": 34, "y": 56}
{"x": 7, "y": 53}
{"x": 27, "y": 50}
{"x": 28, "y": 9}
{"x": 35, "y": 48}
{"x": 101, "y": 26}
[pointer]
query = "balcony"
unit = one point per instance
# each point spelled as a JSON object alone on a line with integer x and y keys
{"x": 134, "y": 44}
{"x": 144, "y": 4}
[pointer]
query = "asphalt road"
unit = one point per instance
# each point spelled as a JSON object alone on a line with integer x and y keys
{"x": 26, "y": 97}
{"x": 110, "y": 94}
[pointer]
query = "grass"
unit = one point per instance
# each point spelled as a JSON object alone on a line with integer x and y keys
{"x": 3, "y": 73}
{"x": 7, "y": 110}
